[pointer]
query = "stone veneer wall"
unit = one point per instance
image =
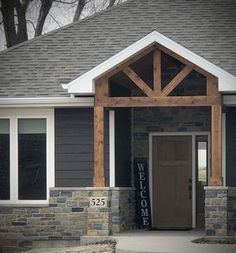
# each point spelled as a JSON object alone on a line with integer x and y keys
{"x": 69, "y": 216}
{"x": 220, "y": 211}
{"x": 166, "y": 119}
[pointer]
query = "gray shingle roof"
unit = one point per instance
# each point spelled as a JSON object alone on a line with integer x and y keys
{"x": 35, "y": 68}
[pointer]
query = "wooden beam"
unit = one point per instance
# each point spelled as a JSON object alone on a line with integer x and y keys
{"x": 159, "y": 101}
{"x": 129, "y": 61}
{"x": 101, "y": 89}
{"x": 138, "y": 81}
{"x": 157, "y": 72}
{"x": 183, "y": 60}
{"x": 99, "y": 175}
{"x": 212, "y": 86}
{"x": 216, "y": 146}
{"x": 176, "y": 81}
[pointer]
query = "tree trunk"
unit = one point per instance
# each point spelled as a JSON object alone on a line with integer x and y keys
{"x": 79, "y": 9}
{"x": 22, "y": 34}
{"x": 7, "y": 9}
{"x": 43, "y": 12}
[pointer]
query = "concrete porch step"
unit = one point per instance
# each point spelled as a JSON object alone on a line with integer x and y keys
{"x": 171, "y": 242}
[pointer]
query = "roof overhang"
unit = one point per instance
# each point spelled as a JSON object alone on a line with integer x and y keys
{"x": 84, "y": 85}
{"x": 47, "y": 102}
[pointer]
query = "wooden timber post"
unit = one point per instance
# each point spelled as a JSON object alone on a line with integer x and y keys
{"x": 216, "y": 146}
{"x": 216, "y": 133}
{"x": 101, "y": 91}
{"x": 99, "y": 177}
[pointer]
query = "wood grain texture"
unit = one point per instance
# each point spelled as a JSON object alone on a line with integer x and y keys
{"x": 99, "y": 168}
{"x": 176, "y": 81}
{"x": 157, "y": 72}
{"x": 216, "y": 146}
{"x": 172, "y": 171}
{"x": 158, "y": 101}
{"x": 138, "y": 81}
{"x": 212, "y": 86}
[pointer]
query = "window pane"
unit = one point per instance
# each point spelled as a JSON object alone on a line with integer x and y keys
{"x": 4, "y": 159}
{"x": 202, "y": 162}
{"x": 32, "y": 159}
{"x": 201, "y": 179}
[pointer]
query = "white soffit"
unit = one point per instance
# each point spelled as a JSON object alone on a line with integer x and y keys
{"x": 84, "y": 85}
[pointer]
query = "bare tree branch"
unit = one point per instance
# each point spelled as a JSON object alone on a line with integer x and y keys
{"x": 32, "y": 23}
{"x": 54, "y": 20}
{"x": 35, "y": 12}
{"x": 79, "y": 9}
{"x": 64, "y": 2}
{"x": 43, "y": 12}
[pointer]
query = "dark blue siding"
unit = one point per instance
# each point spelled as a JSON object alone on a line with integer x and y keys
{"x": 74, "y": 147}
{"x": 231, "y": 147}
{"x": 123, "y": 147}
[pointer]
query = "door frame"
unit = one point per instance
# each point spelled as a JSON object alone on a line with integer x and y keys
{"x": 193, "y": 135}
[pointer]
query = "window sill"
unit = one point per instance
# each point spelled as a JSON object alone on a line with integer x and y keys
{"x": 24, "y": 204}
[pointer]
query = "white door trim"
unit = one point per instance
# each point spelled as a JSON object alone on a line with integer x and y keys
{"x": 193, "y": 135}
{"x": 224, "y": 148}
{"x": 112, "y": 179}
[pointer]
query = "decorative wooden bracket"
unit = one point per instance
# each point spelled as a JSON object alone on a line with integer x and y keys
{"x": 138, "y": 81}
{"x": 176, "y": 80}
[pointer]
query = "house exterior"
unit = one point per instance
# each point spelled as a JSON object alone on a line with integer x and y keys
{"x": 123, "y": 120}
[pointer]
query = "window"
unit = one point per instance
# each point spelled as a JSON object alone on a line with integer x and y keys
{"x": 26, "y": 155}
{"x": 201, "y": 177}
{"x": 32, "y": 158}
{"x": 4, "y": 159}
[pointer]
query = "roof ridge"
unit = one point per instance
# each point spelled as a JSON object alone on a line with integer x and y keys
{"x": 64, "y": 27}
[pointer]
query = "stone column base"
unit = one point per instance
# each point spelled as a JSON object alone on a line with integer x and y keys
{"x": 220, "y": 210}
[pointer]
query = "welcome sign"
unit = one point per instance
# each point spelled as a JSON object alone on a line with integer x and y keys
{"x": 142, "y": 193}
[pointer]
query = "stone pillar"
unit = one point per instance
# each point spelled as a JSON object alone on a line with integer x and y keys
{"x": 98, "y": 223}
{"x": 216, "y": 208}
{"x": 232, "y": 210}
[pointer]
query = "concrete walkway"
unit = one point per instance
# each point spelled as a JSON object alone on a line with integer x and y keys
{"x": 166, "y": 241}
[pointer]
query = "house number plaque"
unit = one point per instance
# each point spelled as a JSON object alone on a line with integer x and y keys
{"x": 98, "y": 201}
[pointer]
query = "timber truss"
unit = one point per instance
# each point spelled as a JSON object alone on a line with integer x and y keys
{"x": 157, "y": 96}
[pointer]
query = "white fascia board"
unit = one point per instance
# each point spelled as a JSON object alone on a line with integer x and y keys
{"x": 84, "y": 85}
{"x": 47, "y": 102}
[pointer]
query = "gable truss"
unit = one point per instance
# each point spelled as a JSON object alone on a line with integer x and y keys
{"x": 157, "y": 97}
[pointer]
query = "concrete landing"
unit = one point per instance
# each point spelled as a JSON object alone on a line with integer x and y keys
{"x": 166, "y": 241}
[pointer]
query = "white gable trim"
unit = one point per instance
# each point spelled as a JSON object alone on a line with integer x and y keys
{"x": 84, "y": 85}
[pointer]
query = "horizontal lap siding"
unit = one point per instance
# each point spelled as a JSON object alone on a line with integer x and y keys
{"x": 74, "y": 147}
{"x": 231, "y": 147}
{"x": 123, "y": 147}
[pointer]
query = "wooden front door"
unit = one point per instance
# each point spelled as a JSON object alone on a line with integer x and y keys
{"x": 172, "y": 181}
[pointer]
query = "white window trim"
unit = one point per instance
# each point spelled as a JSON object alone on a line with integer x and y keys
{"x": 14, "y": 115}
